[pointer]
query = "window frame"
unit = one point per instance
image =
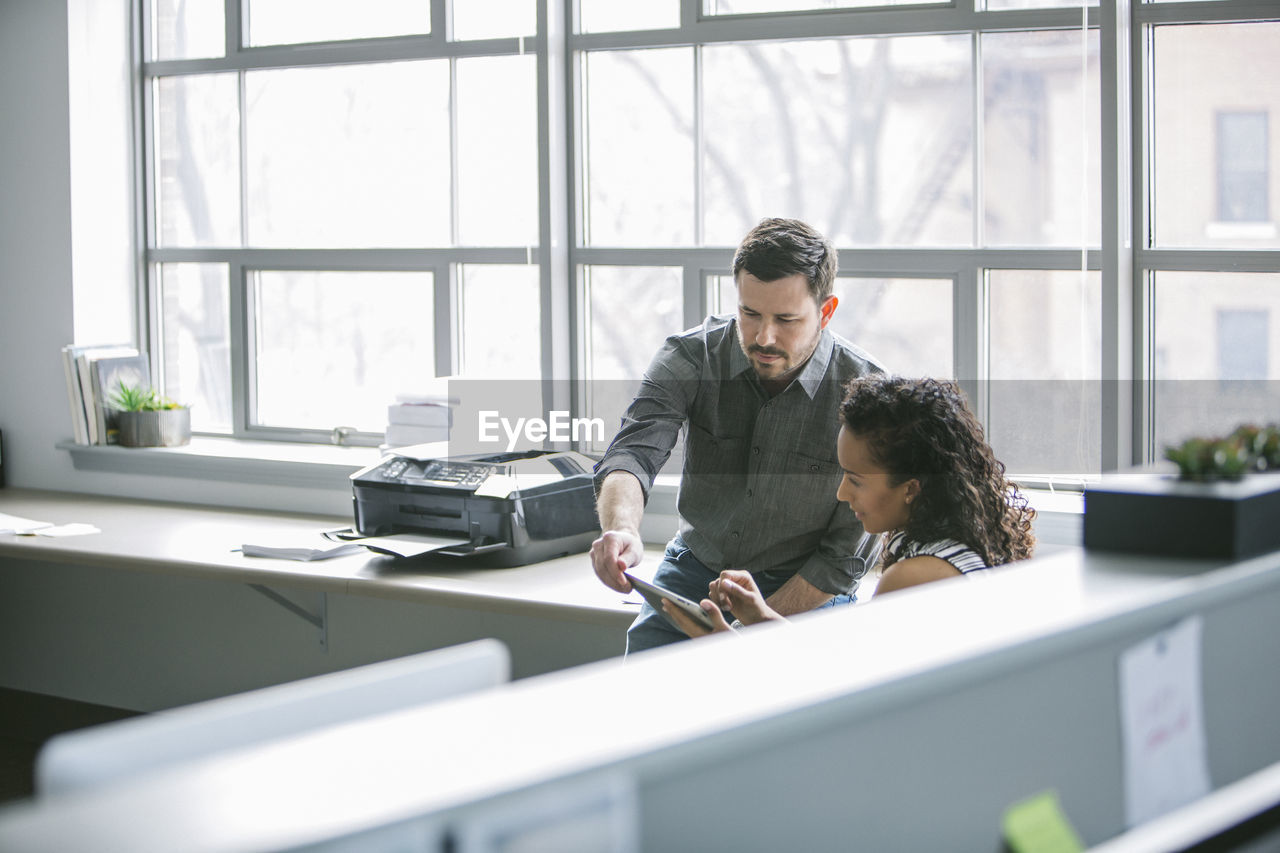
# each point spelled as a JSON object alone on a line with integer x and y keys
{"x": 1127, "y": 256}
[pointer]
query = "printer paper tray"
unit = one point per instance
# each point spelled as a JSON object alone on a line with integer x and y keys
{"x": 410, "y": 544}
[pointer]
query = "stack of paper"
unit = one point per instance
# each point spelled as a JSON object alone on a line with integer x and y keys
{"x": 306, "y": 547}
{"x": 421, "y": 416}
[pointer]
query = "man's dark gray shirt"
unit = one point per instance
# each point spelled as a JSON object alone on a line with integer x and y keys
{"x": 758, "y": 490}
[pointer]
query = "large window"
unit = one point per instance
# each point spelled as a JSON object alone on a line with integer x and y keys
{"x": 343, "y": 206}
{"x": 1076, "y": 225}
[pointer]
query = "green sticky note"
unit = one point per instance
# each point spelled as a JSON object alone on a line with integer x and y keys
{"x": 1037, "y": 825}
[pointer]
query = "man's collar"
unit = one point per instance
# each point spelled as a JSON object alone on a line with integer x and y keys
{"x": 815, "y": 368}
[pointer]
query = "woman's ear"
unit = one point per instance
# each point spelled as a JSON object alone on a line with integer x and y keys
{"x": 913, "y": 489}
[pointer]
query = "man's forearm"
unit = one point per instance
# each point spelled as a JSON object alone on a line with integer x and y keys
{"x": 797, "y": 595}
{"x": 620, "y": 504}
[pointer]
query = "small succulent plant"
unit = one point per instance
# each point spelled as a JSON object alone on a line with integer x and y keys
{"x": 136, "y": 398}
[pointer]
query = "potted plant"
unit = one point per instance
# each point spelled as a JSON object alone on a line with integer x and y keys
{"x": 147, "y": 418}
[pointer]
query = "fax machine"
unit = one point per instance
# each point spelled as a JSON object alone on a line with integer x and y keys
{"x": 504, "y": 509}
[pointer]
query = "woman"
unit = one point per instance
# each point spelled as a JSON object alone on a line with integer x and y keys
{"x": 917, "y": 469}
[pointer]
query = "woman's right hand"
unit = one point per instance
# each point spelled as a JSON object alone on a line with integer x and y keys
{"x": 736, "y": 591}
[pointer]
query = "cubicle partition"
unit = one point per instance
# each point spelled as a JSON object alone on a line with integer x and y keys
{"x": 910, "y": 723}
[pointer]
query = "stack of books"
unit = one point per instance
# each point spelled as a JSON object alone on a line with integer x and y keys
{"x": 93, "y": 373}
{"x": 420, "y": 417}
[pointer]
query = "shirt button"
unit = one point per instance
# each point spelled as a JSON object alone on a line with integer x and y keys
{"x": 734, "y": 535}
{"x": 748, "y": 493}
{"x": 813, "y": 469}
{"x": 756, "y": 451}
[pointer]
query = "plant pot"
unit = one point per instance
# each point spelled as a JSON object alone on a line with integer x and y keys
{"x": 161, "y": 428}
{"x": 1149, "y": 513}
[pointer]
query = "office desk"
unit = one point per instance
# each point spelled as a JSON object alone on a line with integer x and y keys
{"x": 158, "y": 609}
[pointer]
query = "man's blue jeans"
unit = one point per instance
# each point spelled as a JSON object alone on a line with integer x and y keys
{"x": 685, "y": 574}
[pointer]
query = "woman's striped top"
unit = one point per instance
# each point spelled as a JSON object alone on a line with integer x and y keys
{"x": 965, "y": 559}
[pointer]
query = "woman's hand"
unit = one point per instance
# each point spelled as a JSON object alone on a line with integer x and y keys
{"x": 685, "y": 622}
{"x": 736, "y": 591}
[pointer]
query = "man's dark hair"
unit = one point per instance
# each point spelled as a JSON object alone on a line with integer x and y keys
{"x": 777, "y": 248}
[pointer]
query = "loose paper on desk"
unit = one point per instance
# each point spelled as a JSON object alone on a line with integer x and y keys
{"x": 305, "y": 547}
{"x": 1162, "y": 722}
{"x": 17, "y": 524}
{"x": 74, "y": 529}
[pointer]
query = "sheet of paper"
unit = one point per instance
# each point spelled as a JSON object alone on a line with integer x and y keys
{"x": 409, "y": 544}
{"x": 74, "y": 529}
{"x": 1037, "y": 825}
{"x": 17, "y": 524}
{"x": 1162, "y": 723}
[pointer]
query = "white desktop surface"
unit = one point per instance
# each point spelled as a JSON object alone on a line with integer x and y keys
{"x": 615, "y": 713}
{"x": 197, "y": 541}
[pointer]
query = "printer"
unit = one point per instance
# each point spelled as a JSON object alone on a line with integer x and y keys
{"x": 503, "y": 509}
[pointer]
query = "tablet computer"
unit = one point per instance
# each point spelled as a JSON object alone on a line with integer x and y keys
{"x": 655, "y": 595}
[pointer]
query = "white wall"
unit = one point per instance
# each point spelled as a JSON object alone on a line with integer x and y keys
{"x": 35, "y": 240}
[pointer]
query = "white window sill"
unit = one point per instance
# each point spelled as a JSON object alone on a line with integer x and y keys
{"x": 253, "y": 462}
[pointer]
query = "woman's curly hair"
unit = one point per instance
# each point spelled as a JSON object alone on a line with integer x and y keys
{"x": 923, "y": 428}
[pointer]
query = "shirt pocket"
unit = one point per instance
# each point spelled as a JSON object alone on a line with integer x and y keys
{"x": 709, "y": 455}
{"x": 808, "y": 485}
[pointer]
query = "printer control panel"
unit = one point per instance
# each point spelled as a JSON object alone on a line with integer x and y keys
{"x": 436, "y": 472}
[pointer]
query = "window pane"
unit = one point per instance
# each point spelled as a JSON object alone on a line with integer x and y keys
{"x": 639, "y": 156}
{"x": 622, "y": 341}
{"x": 741, "y": 7}
{"x": 904, "y": 322}
{"x": 1242, "y": 161}
{"x": 188, "y": 29}
{"x": 334, "y": 348}
{"x": 195, "y": 337}
{"x": 993, "y": 5}
{"x": 497, "y": 151}
{"x": 599, "y": 16}
{"x": 296, "y": 21}
{"x": 869, "y": 139}
{"x": 501, "y": 329}
{"x": 1045, "y": 356}
{"x": 349, "y": 157}
{"x": 197, "y": 146}
{"x": 1216, "y": 356}
{"x": 490, "y": 19}
{"x": 1034, "y": 183}
{"x": 1214, "y": 162}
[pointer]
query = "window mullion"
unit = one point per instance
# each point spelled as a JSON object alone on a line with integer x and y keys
{"x": 243, "y": 348}
{"x": 1121, "y": 325}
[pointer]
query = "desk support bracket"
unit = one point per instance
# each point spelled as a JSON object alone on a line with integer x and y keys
{"x": 319, "y": 620}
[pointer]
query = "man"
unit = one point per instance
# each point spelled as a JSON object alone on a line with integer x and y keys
{"x": 759, "y": 395}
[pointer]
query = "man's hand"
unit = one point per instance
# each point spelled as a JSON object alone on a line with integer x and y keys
{"x": 685, "y": 622}
{"x": 620, "y": 506}
{"x": 736, "y": 591}
{"x": 612, "y": 554}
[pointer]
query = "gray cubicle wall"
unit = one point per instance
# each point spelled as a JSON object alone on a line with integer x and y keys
{"x": 145, "y": 641}
{"x": 931, "y": 762}
{"x": 972, "y": 697}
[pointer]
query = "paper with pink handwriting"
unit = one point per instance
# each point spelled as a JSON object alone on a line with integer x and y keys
{"x": 1162, "y": 722}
